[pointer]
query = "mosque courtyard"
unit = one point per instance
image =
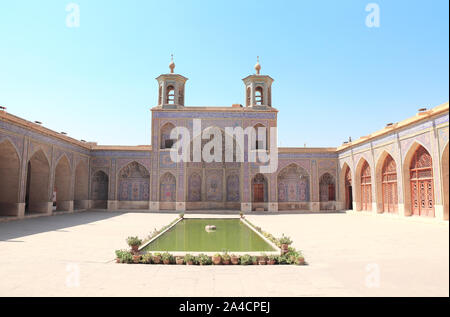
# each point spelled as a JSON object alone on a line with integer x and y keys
{"x": 72, "y": 254}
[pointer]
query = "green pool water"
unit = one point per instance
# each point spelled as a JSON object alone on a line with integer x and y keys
{"x": 190, "y": 235}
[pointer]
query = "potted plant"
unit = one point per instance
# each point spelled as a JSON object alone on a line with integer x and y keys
{"x": 262, "y": 259}
{"x": 179, "y": 260}
{"x": 254, "y": 260}
{"x": 127, "y": 257}
{"x": 156, "y": 258}
{"x": 281, "y": 259}
{"x": 246, "y": 259}
{"x": 136, "y": 258}
{"x": 291, "y": 256}
{"x": 216, "y": 259}
{"x": 119, "y": 255}
{"x": 300, "y": 260}
{"x": 166, "y": 258}
{"x": 234, "y": 259}
{"x": 203, "y": 259}
{"x": 284, "y": 241}
{"x": 241, "y": 214}
{"x": 134, "y": 243}
{"x": 226, "y": 259}
{"x": 189, "y": 259}
{"x": 272, "y": 259}
{"x": 181, "y": 215}
{"x": 146, "y": 258}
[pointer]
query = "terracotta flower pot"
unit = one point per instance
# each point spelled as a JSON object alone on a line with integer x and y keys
{"x": 189, "y": 263}
{"x": 136, "y": 258}
{"x": 234, "y": 260}
{"x": 271, "y": 262}
{"x": 216, "y": 260}
{"x": 157, "y": 259}
{"x": 135, "y": 248}
{"x": 255, "y": 262}
{"x": 180, "y": 261}
{"x": 167, "y": 261}
{"x": 117, "y": 260}
{"x": 262, "y": 261}
{"x": 226, "y": 262}
{"x": 300, "y": 260}
{"x": 284, "y": 248}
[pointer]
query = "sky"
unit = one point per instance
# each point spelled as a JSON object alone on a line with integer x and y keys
{"x": 335, "y": 77}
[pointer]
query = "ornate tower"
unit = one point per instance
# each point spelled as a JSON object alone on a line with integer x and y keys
{"x": 258, "y": 89}
{"x": 171, "y": 89}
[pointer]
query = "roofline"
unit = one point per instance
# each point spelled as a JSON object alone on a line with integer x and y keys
{"x": 420, "y": 116}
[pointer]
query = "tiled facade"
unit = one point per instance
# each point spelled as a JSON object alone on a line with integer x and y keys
{"x": 36, "y": 162}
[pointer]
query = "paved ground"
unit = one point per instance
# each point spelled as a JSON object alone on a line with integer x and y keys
{"x": 348, "y": 255}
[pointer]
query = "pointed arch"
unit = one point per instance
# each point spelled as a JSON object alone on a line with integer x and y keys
{"x": 100, "y": 190}
{"x": 293, "y": 184}
{"x": 168, "y": 184}
{"x": 327, "y": 188}
{"x": 445, "y": 180}
{"x": 37, "y": 197}
{"x": 133, "y": 185}
{"x": 346, "y": 187}
{"x": 61, "y": 189}
{"x": 9, "y": 178}
{"x": 386, "y": 183}
{"x": 195, "y": 187}
{"x": 81, "y": 192}
{"x": 259, "y": 189}
{"x": 418, "y": 181}
{"x": 233, "y": 188}
{"x": 164, "y": 135}
{"x": 363, "y": 185}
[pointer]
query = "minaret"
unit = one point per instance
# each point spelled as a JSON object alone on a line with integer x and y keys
{"x": 258, "y": 89}
{"x": 171, "y": 88}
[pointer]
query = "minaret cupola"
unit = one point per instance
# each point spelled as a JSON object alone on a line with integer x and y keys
{"x": 171, "y": 88}
{"x": 258, "y": 89}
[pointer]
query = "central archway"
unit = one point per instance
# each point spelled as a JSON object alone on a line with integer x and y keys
{"x": 327, "y": 192}
{"x": 167, "y": 191}
{"x": 293, "y": 188}
{"x": 81, "y": 187}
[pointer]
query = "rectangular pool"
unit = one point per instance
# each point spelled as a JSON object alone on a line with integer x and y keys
{"x": 231, "y": 235}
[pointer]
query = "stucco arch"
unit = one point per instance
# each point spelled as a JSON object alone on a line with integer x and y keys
{"x": 37, "y": 197}
{"x": 63, "y": 177}
{"x": 357, "y": 183}
{"x": 9, "y": 178}
{"x": 346, "y": 197}
{"x": 294, "y": 175}
{"x": 406, "y": 177}
{"x": 379, "y": 181}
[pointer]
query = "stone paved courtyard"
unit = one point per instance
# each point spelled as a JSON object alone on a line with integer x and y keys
{"x": 40, "y": 257}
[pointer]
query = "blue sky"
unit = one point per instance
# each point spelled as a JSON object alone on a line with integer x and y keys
{"x": 334, "y": 76}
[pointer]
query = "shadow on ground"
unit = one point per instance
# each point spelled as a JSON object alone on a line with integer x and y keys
{"x": 25, "y": 227}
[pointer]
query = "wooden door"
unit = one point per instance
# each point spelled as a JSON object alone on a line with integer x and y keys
{"x": 258, "y": 193}
{"x": 366, "y": 188}
{"x": 421, "y": 175}
{"x": 389, "y": 185}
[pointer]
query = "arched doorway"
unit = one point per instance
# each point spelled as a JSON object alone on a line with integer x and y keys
{"x": 389, "y": 185}
{"x": 195, "y": 187}
{"x": 37, "y": 196}
{"x": 444, "y": 180}
{"x": 9, "y": 179}
{"x": 366, "y": 187}
{"x": 81, "y": 187}
{"x": 62, "y": 184}
{"x": 327, "y": 192}
{"x": 259, "y": 189}
{"x": 99, "y": 190}
{"x": 348, "y": 189}
{"x": 421, "y": 183}
{"x": 134, "y": 186}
